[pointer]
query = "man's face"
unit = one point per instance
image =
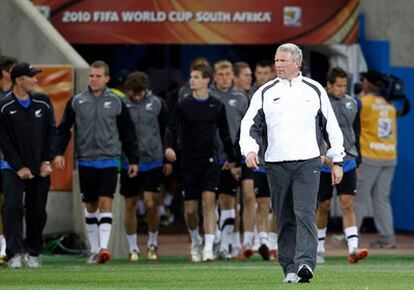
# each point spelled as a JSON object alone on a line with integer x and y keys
{"x": 286, "y": 68}
{"x": 338, "y": 88}
{"x": 224, "y": 78}
{"x": 244, "y": 80}
{"x": 197, "y": 81}
{"x": 263, "y": 74}
{"x": 136, "y": 97}
{"x": 27, "y": 83}
{"x": 97, "y": 79}
{"x": 367, "y": 87}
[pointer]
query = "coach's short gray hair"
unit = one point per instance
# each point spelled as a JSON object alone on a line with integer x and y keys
{"x": 295, "y": 51}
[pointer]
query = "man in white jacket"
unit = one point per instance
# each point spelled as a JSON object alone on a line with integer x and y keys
{"x": 290, "y": 117}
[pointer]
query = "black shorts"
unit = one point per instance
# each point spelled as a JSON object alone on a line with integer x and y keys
{"x": 347, "y": 185}
{"x": 227, "y": 184}
{"x": 261, "y": 186}
{"x": 199, "y": 178}
{"x": 247, "y": 173}
{"x": 145, "y": 181}
{"x": 96, "y": 182}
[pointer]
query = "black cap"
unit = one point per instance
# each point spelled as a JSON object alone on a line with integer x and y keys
{"x": 374, "y": 77}
{"x": 23, "y": 69}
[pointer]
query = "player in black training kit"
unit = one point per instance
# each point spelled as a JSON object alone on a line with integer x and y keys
{"x": 198, "y": 118}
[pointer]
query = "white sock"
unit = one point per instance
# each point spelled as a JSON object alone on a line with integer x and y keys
{"x": 227, "y": 219}
{"x": 195, "y": 236}
{"x": 133, "y": 242}
{"x": 321, "y": 239}
{"x": 263, "y": 238}
{"x": 236, "y": 240}
{"x": 351, "y": 234}
{"x": 272, "y": 241}
{"x": 248, "y": 238}
{"x": 208, "y": 242}
{"x": 92, "y": 229}
{"x": 168, "y": 199}
{"x": 2, "y": 246}
{"x": 105, "y": 226}
{"x": 152, "y": 239}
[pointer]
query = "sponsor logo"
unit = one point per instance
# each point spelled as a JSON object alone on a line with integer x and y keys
{"x": 13, "y": 112}
{"x": 348, "y": 105}
{"x": 38, "y": 113}
{"x": 81, "y": 102}
{"x": 107, "y": 105}
{"x": 382, "y": 147}
{"x": 232, "y": 103}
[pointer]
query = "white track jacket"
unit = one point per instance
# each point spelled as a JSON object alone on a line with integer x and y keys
{"x": 289, "y": 121}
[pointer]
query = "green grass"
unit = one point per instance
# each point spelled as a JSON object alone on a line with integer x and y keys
{"x": 378, "y": 272}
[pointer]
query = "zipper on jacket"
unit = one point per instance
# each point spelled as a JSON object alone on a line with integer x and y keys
{"x": 95, "y": 143}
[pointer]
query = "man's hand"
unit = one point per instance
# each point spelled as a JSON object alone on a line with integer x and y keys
{"x": 45, "y": 169}
{"x": 170, "y": 155}
{"x": 337, "y": 174}
{"x": 167, "y": 169}
{"x": 236, "y": 172}
{"x": 326, "y": 160}
{"x": 25, "y": 173}
{"x": 59, "y": 162}
{"x": 132, "y": 170}
{"x": 252, "y": 160}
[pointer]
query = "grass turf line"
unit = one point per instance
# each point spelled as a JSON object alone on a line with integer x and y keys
{"x": 377, "y": 272}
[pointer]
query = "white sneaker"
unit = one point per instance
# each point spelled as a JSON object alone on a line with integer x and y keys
{"x": 15, "y": 262}
{"x": 152, "y": 253}
{"x": 195, "y": 254}
{"x": 208, "y": 256}
{"x": 320, "y": 257}
{"x": 32, "y": 261}
{"x": 291, "y": 278}
{"x": 133, "y": 256}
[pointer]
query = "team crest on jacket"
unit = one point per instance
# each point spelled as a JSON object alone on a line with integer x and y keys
{"x": 232, "y": 103}
{"x": 148, "y": 107}
{"x": 38, "y": 113}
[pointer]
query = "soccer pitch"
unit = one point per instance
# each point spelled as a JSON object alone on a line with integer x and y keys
{"x": 377, "y": 272}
